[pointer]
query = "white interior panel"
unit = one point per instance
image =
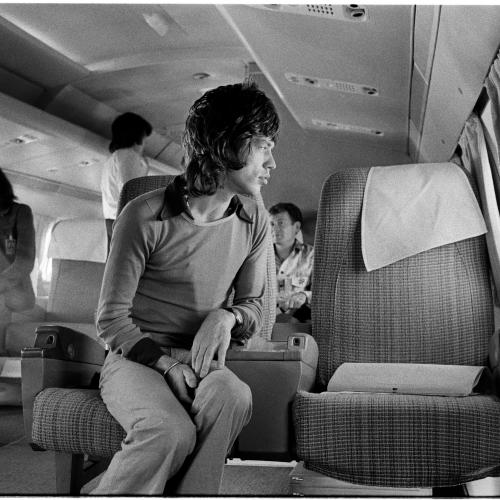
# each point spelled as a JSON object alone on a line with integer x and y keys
{"x": 461, "y": 63}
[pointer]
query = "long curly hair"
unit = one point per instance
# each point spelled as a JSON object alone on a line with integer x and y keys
{"x": 7, "y": 195}
{"x": 219, "y": 127}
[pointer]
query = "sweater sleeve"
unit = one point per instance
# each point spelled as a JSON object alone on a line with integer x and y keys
{"x": 131, "y": 245}
{"x": 25, "y": 246}
{"x": 250, "y": 281}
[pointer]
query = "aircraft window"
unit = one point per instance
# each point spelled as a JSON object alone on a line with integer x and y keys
{"x": 487, "y": 119}
{"x": 45, "y": 267}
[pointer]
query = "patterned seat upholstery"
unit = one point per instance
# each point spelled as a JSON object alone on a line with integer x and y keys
{"x": 84, "y": 424}
{"x": 433, "y": 307}
{"x": 76, "y": 420}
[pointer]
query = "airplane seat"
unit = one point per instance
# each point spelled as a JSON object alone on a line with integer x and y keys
{"x": 430, "y": 308}
{"x": 78, "y": 253}
{"x": 13, "y": 335}
{"x": 64, "y": 412}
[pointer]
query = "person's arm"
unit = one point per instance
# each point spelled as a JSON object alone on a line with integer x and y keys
{"x": 133, "y": 240}
{"x": 25, "y": 246}
{"x": 250, "y": 281}
{"x": 214, "y": 335}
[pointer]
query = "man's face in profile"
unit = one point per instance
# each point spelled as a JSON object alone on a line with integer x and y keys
{"x": 259, "y": 162}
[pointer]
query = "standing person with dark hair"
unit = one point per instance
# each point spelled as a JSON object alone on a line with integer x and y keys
{"x": 294, "y": 261}
{"x": 177, "y": 254}
{"x": 17, "y": 252}
{"x": 126, "y": 161}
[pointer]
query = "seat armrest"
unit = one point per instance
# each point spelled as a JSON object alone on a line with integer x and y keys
{"x": 60, "y": 342}
{"x": 275, "y": 370}
{"x": 60, "y": 357}
{"x": 281, "y": 331}
{"x": 494, "y": 351}
{"x": 494, "y": 361}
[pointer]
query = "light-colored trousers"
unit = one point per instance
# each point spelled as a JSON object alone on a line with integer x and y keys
{"x": 164, "y": 439}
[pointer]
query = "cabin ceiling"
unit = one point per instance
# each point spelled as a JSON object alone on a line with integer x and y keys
{"x": 336, "y": 73}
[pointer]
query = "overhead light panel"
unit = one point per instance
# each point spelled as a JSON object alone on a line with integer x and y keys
{"x": 202, "y": 75}
{"x": 88, "y": 163}
{"x": 20, "y": 140}
{"x": 351, "y": 12}
{"x": 158, "y": 22}
{"x": 24, "y": 139}
{"x": 336, "y": 85}
{"x": 346, "y": 127}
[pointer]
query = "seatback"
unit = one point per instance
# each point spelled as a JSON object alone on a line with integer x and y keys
{"x": 78, "y": 252}
{"x": 433, "y": 307}
{"x": 74, "y": 290}
{"x": 140, "y": 185}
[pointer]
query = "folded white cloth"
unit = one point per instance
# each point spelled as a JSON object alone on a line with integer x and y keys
{"x": 408, "y": 209}
{"x": 406, "y": 378}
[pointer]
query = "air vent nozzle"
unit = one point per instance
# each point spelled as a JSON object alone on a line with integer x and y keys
{"x": 351, "y": 12}
{"x": 326, "y": 83}
{"x": 20, "y": 140}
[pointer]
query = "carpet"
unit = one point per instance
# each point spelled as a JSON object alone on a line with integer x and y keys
{"x": 255, "y": 480}
{"x": 27, "y": 472}
{"x": 11, "y": 424}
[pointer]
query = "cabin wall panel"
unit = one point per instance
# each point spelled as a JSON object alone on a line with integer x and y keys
{"x": 19, "y": 88}
{"x": 426, "y": 19}
{"x": 57, "y": 205}
{"x": 305, "y": 158}
{"x": 425, "y": 32}
{"x": 33, "y": 60}
{"x": 467, "y": 43}
{"x": 419, "y": 90}
{"x": 413, "y": 141}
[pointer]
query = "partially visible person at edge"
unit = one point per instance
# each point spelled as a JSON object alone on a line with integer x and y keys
{"x": 294, "y": 262}
{"x": 176, "y": 254}
{"x": 128, "y": 132}
{"x": 17, "y": 252}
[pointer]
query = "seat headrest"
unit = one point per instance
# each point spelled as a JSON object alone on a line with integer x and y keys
{"x": 408, "y": 209}
{"x": 79, "y": 239}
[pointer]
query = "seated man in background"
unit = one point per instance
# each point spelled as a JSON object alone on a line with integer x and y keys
{"x": 176, "y": 255}
{"x": 294, "y": 261}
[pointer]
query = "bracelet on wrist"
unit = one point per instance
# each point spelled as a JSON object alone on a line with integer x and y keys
{"x": 170, "y": 367}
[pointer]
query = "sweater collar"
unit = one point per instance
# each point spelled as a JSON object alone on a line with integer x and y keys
{"x": 174, "y": 201}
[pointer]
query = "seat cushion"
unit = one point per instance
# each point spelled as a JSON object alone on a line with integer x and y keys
{"x": 398, "y": 440}
{"x": 75, "y": 421}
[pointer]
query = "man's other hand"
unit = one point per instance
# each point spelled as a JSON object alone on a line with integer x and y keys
{"x": 180, "y": 379}
{"x": 212, "y": 338}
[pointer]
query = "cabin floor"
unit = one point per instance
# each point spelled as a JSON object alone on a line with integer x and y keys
{"x": 27, "y": 472}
